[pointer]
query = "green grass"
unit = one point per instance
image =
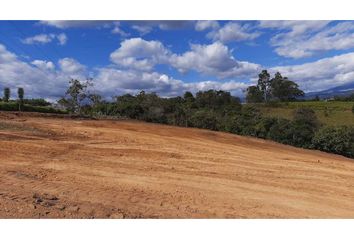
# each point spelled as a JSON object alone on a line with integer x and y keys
{"x": 332, "y": 113}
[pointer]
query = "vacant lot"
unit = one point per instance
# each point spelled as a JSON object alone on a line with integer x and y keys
{"x": 71, "y": 168}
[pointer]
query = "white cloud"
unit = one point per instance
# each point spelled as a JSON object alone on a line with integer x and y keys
{"x": 44, "y": 65}
{"x": 38, "y": 78}
{"x": 46, "y": 38}
{"x": 71, "y": 67}
{"x": 42, "y": 79}
{"x": 302, "y": 39}
{"x": 140, "y": 54}
{"x": 233, "y": 32}
{"x": 117, "y": 30}
{"x": 77, "y": 23}
{"x": 322, "y": 74}
{"x": 145, "y": 27}
{"x": 215, "y": 60}
{"x": 206, "y": 24}
{"x": 113, "y": 81}
{"x": 62, "y": 38}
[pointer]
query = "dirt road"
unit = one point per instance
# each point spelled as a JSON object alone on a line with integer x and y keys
{"x": 72, "y": 168}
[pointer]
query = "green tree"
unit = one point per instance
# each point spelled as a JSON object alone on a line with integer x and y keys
{"x": 75, "y": 95}
{"x": 254, "y": 95}
{"x": 264, "y": 84}
{"x": 283, "y": 89}
{"x": 7, "y": 93}
{"x": 20, "y": 93}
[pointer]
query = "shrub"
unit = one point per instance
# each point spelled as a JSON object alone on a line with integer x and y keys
{"x": 281, "y": 131}
{"x": 204, "y": 119}
{"x": 339, "y": 140}
{"x": 303, "y": 127}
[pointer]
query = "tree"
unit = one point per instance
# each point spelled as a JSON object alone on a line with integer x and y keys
{"x": 75, "y": 95}
{"x": 254, "y": 95}
{"x": 20, "y": 93}
{"x": 7, "y": 94}
{"x": 264, "y": 84}
{"x": 283, "y": 89}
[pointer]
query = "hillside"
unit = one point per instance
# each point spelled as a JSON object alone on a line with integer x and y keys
{"x": 54, "y": 167}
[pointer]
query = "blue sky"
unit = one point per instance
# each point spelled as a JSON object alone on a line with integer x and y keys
{"x": 170, "y": 57}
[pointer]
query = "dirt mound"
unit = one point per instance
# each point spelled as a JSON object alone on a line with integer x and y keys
{"x": 54, "y": 167}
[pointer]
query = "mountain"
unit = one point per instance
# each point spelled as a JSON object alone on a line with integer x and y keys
{"x": 343, "y": 90}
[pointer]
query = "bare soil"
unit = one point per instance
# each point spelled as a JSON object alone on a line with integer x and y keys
{"x": 58, "y": 167}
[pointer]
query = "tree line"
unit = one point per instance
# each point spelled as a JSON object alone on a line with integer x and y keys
{"x": 220, "y": 111}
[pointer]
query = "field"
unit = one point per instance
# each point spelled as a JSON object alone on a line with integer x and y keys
{"x": 59, "y": 167}
{"x": 332, "y": 113}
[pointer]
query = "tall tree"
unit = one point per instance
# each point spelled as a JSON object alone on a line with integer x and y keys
{"x": 283, "y": 89}
{"x": 264, "y": 84}
{"x": 20, "y": 93}
{"x": 7, "y": 94}
{"x": 75, "y": 95}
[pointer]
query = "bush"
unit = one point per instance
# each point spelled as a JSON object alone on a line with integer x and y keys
{"x": 281, "y": 131}
{"x": 204, "y": 119}
{"x": 303, "y": 127}
{"x": 353, "y": 109}
{"x": 339, "y": 140}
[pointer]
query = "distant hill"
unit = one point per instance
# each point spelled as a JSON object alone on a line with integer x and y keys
{"x": 343, "y": 90}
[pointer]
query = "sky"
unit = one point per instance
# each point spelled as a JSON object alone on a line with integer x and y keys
{"x": 171, "y": 57}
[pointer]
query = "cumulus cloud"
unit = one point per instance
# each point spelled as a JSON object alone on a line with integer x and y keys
{"x": 214, "y": 59}
{"x": 117, "y": 30}
{"x": 62, "y": 38}
{"x": 233, "y": 32}
{"x": 46, "y": 38}
{"x": 44, "y": 65}
{"x": 71, "y": 67}
{"x": 322, "y": 74}
{"x": 112, "y": 81}
{"x": 302, "y": 39}
{"x": 39, "y": 78}
{"x": 62, "y": 24}
{"x": 144, "y": 27}
{"x": 138, "y": 53}
{"x": 206, "y": 24}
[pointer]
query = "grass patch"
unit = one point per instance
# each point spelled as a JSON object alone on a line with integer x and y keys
{"x": 333, "y": 113}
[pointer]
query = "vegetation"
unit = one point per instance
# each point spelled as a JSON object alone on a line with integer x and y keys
{"x": 338, "y": 140}
{"x": 272, "y": 112}
{"x": 7, "y": 93}
{"x": 13, "y": 106}
{"x": 21, "y": 94}
{"x": 278, "y": 88}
